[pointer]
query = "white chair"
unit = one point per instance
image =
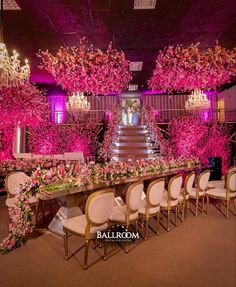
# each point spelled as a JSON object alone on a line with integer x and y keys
{"x": 170, "y": 198}
{"x": 183, "y": 198}
{"x": 220, "y": 183}
{"x": 97, "y": 211}
{"x": 150, "y": 205}
{"x": 74, "y": 156}
{"x": 224, "y": 194}
{"x": 128, "y": 213}
{"x": 12, "y": 182}
{"x": 199, "y": 192}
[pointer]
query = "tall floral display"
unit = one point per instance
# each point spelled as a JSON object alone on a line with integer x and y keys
{"x": 181, "y": 68}
{"x": 87, "y": 69}
{"x": 23, "y": 105}
{"x": 191, "y": 136}
{"x": 50, "y": 138}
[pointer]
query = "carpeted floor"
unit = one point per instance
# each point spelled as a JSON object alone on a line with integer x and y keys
{"x": 200, "y": 252}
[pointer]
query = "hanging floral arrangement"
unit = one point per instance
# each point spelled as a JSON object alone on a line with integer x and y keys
{"x": 183, "y": 69}
{"x": 88, "y": 70}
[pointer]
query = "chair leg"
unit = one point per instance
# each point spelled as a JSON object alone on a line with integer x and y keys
{"x": 86, "y": 253}
{"x": 203, "y": 203}
{"x": 186, "y": 207}
{"x": 196, "y": 210}
{"x": 227, "y": 209}
{"x": 176, "y": 215}
{"x": 105, "y": 250}
{"x": 168, "y": 220}
{"x": 50, "y": 203}
{"x": 43, "y": 208}
{"x": 207, "y": 208}
{"x": 136, "y": 228}
{"x": 36, "y": 213}
{"x": 66, "y": 244}
{"x": 146, "y": 227}
{"x": 126, "y": 242}
{"x": 158, "y": 223}
{"x": 142, "y": 223}
{"x": 183, "y": 212}
{"x": 188, "y": 204}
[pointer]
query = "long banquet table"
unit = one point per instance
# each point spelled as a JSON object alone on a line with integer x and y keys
{"x": 70, "y": 198}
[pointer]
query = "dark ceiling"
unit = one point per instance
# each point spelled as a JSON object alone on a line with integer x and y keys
{"x": 48, "y": 24}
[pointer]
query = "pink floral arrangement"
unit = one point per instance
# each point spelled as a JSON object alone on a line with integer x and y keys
{"x": 181, "y": 68}
{"x": 106, "y": 148}
{"x": 149, "y": 116}
{"x": 27, "y": 165}
{"x": 25, "y": 105}
{"x": 72, "y": 174}
{"x": 50, "y": 139}
{"x": 88, "y": 70}
{"x": 191, "y": 136}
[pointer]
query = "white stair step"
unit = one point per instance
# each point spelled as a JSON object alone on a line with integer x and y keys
{"x": 133, "y": 147}
{"x": 137, "y": 144}
{"x": 133, "y": 132}
{"x": 126, "y": 158}
{"x": 133, "y": 137}
{"x": 132, "y": 152}
{"x": 132, "y": 127}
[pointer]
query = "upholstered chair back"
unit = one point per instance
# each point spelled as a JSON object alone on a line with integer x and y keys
{"x": 174, "y": 186}
{"x": 14, "y": 180}
{"x": 99, "y": 206}
{"x": 189, "y": 182}
{"x": 231, "y": 181}
{"x": 155, "y": 191}
{"x": 232, "y": 168}
{"x": 203, "y": 179}
{"x": 133, "y": 196}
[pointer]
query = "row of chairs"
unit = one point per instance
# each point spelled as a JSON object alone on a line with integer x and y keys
{"x": 100, "y": 211}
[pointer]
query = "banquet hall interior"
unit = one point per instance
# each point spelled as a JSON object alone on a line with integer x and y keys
{"x": 118, "y": 143}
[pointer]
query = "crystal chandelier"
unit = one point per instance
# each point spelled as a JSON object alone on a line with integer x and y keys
{"x": 78, "y": 102}
{"x": 11, "y": 71}
{"x": 197, "y": 101}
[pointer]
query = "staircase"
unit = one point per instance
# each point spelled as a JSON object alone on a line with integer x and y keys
{"x": 133, "y": 142}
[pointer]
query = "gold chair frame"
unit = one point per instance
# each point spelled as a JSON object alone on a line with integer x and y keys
{"x": 197, "y": 193}
{"x": 227, "y": 198}
{"x": 147, "y": 215}
{"x": 87, "y": 236}
{"x": 128, "y": 211}
{"x": 185, "y": 203}
{"x": 169, "y": 207}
